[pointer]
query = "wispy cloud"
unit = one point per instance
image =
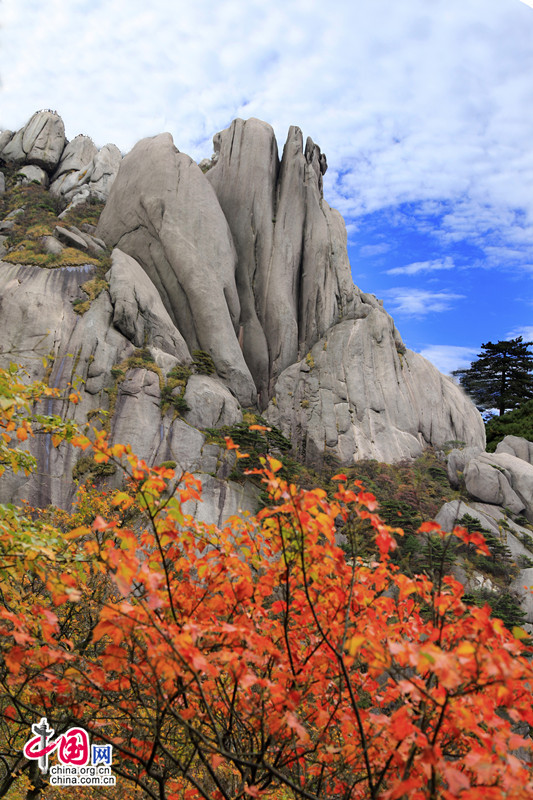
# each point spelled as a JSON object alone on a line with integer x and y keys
{"x": 423, "y": 266}
{"x": 419, "y": 302}
{"x": 448, "y": 357}
{"x": 525, "y": 331}
{"x": 371, "y": 250}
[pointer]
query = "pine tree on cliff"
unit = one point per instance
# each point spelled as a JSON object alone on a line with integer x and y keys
{"x": 501, "y": 377}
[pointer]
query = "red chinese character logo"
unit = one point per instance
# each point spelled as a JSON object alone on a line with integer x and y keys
{"x": 74, "y": 747}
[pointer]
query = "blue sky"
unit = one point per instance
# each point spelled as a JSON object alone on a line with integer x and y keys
{"x": 423, "y": 108}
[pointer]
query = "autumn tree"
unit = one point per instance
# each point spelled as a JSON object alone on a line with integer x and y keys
{"x": 256, "y": 659}
{"x": 501, "y": 377}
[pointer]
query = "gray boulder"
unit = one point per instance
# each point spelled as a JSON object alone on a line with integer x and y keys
{"x": 501, "y": 479}
{"x": 41, "y": 141}
{"x": 31, "y": 173}
{"x": 163, "y": 211}
{"x": 490, "y": 484}
{"x": 516, "y": 446}
{"x": 52, "y": 245}
{"x": 103, "y": 171}
{"x": 93, "y": 178}
{"x": 69, "y": 238}
{"x": 76, "y": 156}
{"x": 5, "y": 138}
{"x": 457, "y": 461}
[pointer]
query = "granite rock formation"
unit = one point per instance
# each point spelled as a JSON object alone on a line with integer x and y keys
{"x": 242, "y": 259}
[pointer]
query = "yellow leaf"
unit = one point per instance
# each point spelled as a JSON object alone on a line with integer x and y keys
{"x": 75, "y": 533}
{"x": 465, "y": 649}
{"x": 520, "y": 633}
{"x": 355, "y": 643}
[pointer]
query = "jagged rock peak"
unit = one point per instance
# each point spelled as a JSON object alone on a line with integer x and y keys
{"x": 77, "y": 169}
{"x": 41, "y": 141}
{"x": 258, "y": 223}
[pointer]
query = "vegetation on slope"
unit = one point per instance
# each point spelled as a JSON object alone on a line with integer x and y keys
{"x": 514, "y": 423}
{"x": 35, "y": 215}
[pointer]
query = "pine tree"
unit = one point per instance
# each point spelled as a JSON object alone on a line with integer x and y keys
{"x": 501, "y": 377}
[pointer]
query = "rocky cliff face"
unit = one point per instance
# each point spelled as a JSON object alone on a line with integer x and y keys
{"x": 240, "y": 258}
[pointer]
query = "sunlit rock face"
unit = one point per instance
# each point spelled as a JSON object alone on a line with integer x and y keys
{"x": 240, "y": 258}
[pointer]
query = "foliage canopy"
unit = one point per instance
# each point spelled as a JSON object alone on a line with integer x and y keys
{"x": 252, "y": 660}
{"x": 501, "y": 377}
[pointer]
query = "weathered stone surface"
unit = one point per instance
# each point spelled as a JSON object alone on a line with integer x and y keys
{"x": 76, "y": 181}
{"x": 138, "y": 311}
{"x": 159, "y": 209}
{"x": 5, "y": 138}
{"x": 2, "y": 183}
{"x": 457, "y": 461}
{"x": 104, "y": 170}
{"x": 138, "y": 399}
{"x": 36, "y": 310}
{"x": 212, "y": 404}
{"x": 489, "y": 484}
{"x": 41, "y": 141}
{"x": 12, "y": 151}
{"x": 246, "y": 262}
{"x": 6, "y": 225}
{"x": 222, "y": 499}
{"x": 30, "y": 173}
{"x": 525, "y": 579}
{"x": 76, "y": 156}
{"x": 52, "y": 245}
{"x": 293, "y": 274}
{"x": 516, "y": 446}
{"x": 502, "y": 479}
{"x": 93, "y": 245}
{"x": 360, "y": 394}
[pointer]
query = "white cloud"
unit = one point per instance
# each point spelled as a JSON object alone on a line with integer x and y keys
{"x": 416, "y": 102}
{"x": 423, "y": 266}
{"x": 448, "y": 357}
{"x": 525, "y": 331}
{"x": 418, "y": 302}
